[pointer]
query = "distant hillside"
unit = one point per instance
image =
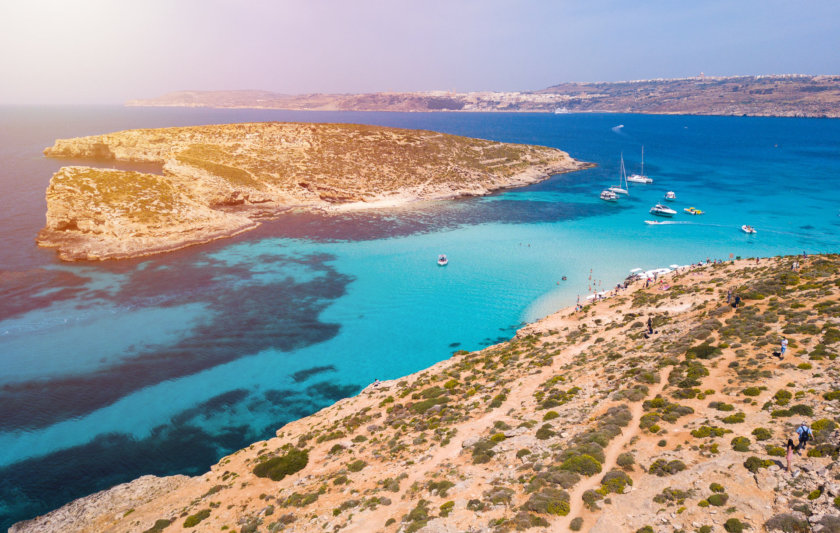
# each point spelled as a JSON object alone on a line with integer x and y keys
{"x": 784, "y": 95}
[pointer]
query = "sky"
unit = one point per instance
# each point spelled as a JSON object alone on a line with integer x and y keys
{"x": 110, "y": 51}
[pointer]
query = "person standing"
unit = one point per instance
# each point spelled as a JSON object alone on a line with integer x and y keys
{"x": 784, "y": 346}
{"x": 737, "y": 301}
{"x": 789, "y": 454}
{"x": 729, "y": 296}
{"x": 650, "y": 325}
{"x": 805, "y": 434}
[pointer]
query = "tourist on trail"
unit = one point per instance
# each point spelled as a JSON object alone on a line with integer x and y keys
{"x": 728, "y": 296}
{"x": 784, "y": 346}
{"x": 805, "y": 434}
{"x": 789, "y": 454}
{"x": 737, "y": 302}
{"x": 650, "y": 325}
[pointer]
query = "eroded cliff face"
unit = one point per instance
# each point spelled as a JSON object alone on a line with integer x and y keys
{"x": 580, "y": 422}
{"x": 221, "y": 180}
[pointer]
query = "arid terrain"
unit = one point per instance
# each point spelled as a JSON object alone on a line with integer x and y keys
{"x": 221, "y": 180}
{"x": 582, "y": 421}
{"x": 775, "y": 95}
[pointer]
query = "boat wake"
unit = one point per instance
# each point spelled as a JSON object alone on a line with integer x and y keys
{"x": 617, "y": 129}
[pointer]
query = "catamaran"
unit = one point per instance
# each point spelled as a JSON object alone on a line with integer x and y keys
{"x": 640, "y": 178}
{"x": 622, "y": 187}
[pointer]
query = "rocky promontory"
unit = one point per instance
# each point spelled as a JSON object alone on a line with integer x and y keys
{"x": 584, "y": 421}
{"x": 223, "y": 179}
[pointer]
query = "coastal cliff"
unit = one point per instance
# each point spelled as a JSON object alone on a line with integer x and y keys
{"x": 582, "y": 421}
{"x": 221, "y": 180}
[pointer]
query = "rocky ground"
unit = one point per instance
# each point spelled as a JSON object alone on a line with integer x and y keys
{"x": 221, "y": 180}
{"x": 580, "y": 422}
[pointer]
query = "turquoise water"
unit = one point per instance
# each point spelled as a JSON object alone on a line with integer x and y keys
{"x": 163, "y": 365}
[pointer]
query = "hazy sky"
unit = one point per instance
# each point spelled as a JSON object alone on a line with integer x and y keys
{"x": 108, "y": 51}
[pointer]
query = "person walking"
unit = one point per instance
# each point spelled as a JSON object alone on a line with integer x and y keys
{"x": 729, "y": 296}
{"x": 650, "y": 325}
{"x": 789, "y": 454}
{"x": 805, "y": 434}
{"x": 737, "y": 301}
{"x": 784, "y": 346}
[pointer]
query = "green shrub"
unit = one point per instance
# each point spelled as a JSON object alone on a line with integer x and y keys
{"x": 722, "y": 406}
{"x": 733, "y": 525}
{"x": 775, "y": 451}
{"x": 576, "y": 524}
{"x": 548, "y": 501}
{"x": 584, "y": 464}
{"x": 671, "y": 496}
{"x": 158, "y": 526}
{"x": 833, "y": 395}
{"x": 661, "y": 467}
{"x": 439, "y": 487}
{"x": 781, "y": 413}
{"x": 446, "y": 508}
{"x": 277, "y": 468}
{"x": 753, "y": 463}
{"x": 718, "y": 499}
{"x": 737, "y": 418}
{"x": 498, "y": 437}
{"x": 545, "y": 432}
{"x": 801, "y": 409}
{"x": 751, "y": 391}
{"x": 814, "y": 494}
{"x": 741, "y": 444}
{"x": 194, "y": 519}
{"x": 356, "y": 465}
{"x": 522, "y": 453}
{"x": 783, "y": 397}
{"x": 625, "y": 460}
{"x": 645, "y": 529}
{"x": 762, "y": 434}
{"x": 615, "y": 481}
{"x": 709, "y": 431}
{"x": 550, "y": 415}
{"x": 716, "y": 487}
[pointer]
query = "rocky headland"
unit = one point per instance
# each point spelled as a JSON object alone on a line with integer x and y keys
{"x": 583, "y": 421}
{"x": 221, "y": 180}
{"x": 786, "y": 95}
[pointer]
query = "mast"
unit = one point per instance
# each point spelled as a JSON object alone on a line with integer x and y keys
{"x": 643, "y": 160}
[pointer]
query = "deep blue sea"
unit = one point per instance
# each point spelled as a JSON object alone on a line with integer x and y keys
{"x": 109, "y": 371}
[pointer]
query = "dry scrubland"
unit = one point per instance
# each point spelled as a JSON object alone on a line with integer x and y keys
{"x": 578, "y": 423}
{"x": 221, "y": 180}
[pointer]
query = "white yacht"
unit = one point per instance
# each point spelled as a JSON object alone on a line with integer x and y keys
{"x": 442, "y": 260}
{"x": 662, "y": 211}
{"x": 609, "y": 196}
{"x": 670, "y": 196}
{"x": 622, "y": 187}
{"x": 640, "y": 178}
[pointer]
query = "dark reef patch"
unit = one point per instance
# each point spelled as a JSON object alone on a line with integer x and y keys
{"x": 303, "y": 375}
{"x": 27, "y": 290}
{"x": 248, "y": 316}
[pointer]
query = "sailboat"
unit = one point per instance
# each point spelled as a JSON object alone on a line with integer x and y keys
{"x": 641, "y": 178}
{"x": 622, "y": 187}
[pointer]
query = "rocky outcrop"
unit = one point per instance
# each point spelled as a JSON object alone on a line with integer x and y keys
{"x": 221, "y": 180}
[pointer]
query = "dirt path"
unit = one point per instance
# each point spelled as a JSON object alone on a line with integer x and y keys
{"x": 611, "y": 453}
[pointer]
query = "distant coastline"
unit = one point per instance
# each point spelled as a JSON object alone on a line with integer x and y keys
{"x": 790, "y": 95}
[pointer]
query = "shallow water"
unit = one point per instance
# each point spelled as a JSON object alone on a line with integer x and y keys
{"x": 162, "y": 365}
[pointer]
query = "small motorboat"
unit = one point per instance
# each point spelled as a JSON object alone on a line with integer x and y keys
{"x": 442, "y": 260}
{"x": 670, "y": 196}
{"x": 662, "y": 211}
{"x": 654, "y": 222}
{"x": 693, "y": 211}
{"x": 609, "y": 196}
{"x": 748, "y": 229}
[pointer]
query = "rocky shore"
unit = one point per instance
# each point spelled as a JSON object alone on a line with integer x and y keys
{"x": 221, "y": 180}
{"x": 583, "y": 421}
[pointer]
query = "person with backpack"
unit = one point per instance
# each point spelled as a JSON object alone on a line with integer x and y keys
{"x": 805, "y": 434}
{"x": 784, "y": 346}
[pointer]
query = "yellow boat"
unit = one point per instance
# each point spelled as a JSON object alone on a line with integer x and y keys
{"x": 693, "y": 211}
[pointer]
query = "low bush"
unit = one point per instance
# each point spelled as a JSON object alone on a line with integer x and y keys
{"x": 762, "y": 434}
{"x": 787, "y": 523}
{"x": 733, "y": 525}
{"x": 277, "y": 468}
{"x": 661, "y": 467}
{"x": 741, "y": 444}
{"x": 194, "y": 519}
{"x": 585, "y": 465}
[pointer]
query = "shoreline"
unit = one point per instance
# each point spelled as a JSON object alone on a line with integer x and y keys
{"x": 142, "y": 491}
{"x": 74, "y": 246}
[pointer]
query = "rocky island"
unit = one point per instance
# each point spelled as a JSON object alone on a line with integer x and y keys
{"x": 584, "y": 421}
{"x": 221, "y": 180}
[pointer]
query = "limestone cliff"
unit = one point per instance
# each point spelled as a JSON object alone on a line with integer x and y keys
{"x": 221, "y": 180}
{"x": 581, "y": 422}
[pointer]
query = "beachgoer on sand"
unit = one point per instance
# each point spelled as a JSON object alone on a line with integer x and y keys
{"x": 805, "y": 434}
{"x": 784, "y": 346}
{"x": 789, "y": 454}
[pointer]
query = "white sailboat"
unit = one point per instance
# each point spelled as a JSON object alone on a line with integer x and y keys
{"x": 622, "y": 187}
{"x": 641, "y": 178}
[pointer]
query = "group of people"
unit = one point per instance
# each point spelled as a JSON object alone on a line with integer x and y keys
{"x": 805, "y": 434}
{"x": 735, "y": 302}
